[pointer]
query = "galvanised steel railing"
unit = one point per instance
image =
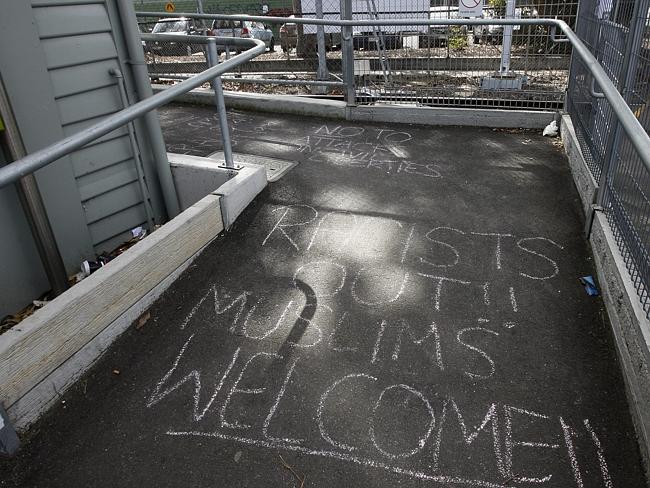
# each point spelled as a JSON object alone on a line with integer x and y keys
{"x": 449, "y": 66}
{"x": 632, "y": 127}
{"x": 38, "y": 159}
{"x": 11, "y": 173}
{"x": 637, "y": 140}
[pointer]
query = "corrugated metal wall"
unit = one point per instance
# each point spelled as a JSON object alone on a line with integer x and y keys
{"x": 78, "y": 40}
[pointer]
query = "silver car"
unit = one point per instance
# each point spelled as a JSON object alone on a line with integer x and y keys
{"x": 180, "y": 27}
{"x": 247, "y": 29}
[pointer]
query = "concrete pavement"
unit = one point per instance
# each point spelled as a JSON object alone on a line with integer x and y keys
{"x": 401, "y": 309}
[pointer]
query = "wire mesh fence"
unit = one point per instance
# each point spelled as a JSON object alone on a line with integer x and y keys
{"x": 618, "y": 34}
{"x": 290, "y": 64}
{"x": 467, "y": 65}
{"x": 424, "y": 65}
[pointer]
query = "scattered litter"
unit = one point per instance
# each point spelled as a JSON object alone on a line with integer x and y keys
{"x": 551, "y": 129}
{"x": 11, "y": 321}
{"x": 590, "y": 285}
{"x": 142, "y": 320}
{"x": 138, "y": 233}
{"x": 237, "y": 456}
{"x": 116, "y": 372}
{"x": 89, "y": 267}
{"x": 76, "y": 278}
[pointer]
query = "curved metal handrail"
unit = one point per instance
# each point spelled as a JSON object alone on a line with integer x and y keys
{"x": 38, "y": 159}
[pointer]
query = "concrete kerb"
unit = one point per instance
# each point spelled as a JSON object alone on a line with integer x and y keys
{"x": 630, "y": 326}
{"x": 473, "y": 117}
{"x": 582, "y": 177}
{"x": 51, "y": 349}
{"x": 286, "y": 104}
{"x": 334, "y": 109}
{"x": 196, "y": 177}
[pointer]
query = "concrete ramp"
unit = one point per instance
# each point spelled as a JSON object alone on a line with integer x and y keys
{"x": 402, "y": 308}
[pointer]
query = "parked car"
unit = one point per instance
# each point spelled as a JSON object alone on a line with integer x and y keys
{"x": 179, "y": 26}
{"x": 289, "y": 38}
{"x": 247, "y": 29}
{"x": 368, "y": 40}
{"x": 288, "y": 35}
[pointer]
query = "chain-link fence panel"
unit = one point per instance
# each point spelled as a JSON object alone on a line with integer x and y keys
{"x": 422, "y": 64}
{"x": 618, "y": 35}
{"x": 290, "y": 65}
{"x": 468, "y": 66}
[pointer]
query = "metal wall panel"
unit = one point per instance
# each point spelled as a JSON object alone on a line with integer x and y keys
{"x": 89, "y": 104}
{"x": 81, "y": 46}
{"x": 104, "y": 231}
{"x": 62, "y": 52}
{"x": 85, "y": 77}
{"x": 99, "y": 156}
{"x": 110, "y": 202}
{"x": 26, "y": 79}
{"x": 107, "y": 179}
{"x": 70, "y": 20}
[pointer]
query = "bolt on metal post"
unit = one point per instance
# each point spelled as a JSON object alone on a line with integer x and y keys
{"x": 213, "y": 60}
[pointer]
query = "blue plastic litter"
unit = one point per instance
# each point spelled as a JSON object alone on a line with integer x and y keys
{"x": 590, "y": 285}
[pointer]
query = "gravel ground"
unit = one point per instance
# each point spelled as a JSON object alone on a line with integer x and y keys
{"x": 542, "y": 85}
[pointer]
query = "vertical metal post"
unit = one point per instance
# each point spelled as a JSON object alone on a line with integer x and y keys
{"x": 136, "y": 151}
{"x": 32, "y": 203}
{"x": 151, "y": 122}
{"x": 199, "y": 10}
{"x": 322, "y": 73}
{"x": 213, "y": 60}
{"x": 347, "y": 53}
{"x": 507, "y": 39}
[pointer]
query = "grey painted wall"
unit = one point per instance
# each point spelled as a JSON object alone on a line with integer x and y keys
{"x": 80, "y": 47}
{"x": 55, "y": 58}
{"x": 27, "y": 278}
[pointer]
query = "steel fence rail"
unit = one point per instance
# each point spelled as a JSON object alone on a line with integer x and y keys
{"x": 359, "y": 23}
{"x": 9, "y": 174}
{"x": 38, "y": 159}
{"x": 632, "y": 127}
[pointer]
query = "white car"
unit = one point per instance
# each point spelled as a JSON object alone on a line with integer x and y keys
{"x": 180, "y": 27}
{"x": 246, "y": 29}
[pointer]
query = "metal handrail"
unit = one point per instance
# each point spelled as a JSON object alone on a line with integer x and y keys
{"x": 38, "y": 159}
{"x": 632, "y": 127}
{"x": 11, "y": 173}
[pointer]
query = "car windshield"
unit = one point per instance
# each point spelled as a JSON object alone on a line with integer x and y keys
{"x": 174, "y": 26}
